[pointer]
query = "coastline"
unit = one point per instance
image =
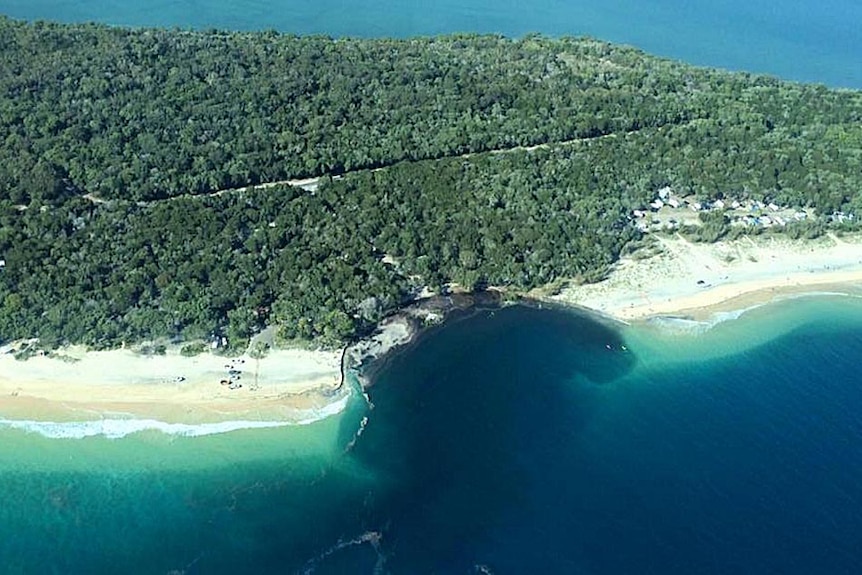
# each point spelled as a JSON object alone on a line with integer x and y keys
{"x": 671, "y": 278}
{"x": 287, "y": 385}
{"x": 404, "y": 328}
{"x": 120, "y": 391}
{"x": 678, "y": 278}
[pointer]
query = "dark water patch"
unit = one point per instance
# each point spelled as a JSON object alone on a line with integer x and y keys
{"x": 529, "y": 441}
{"x": 513, "y": 441}
{"x": 456, "y": 418}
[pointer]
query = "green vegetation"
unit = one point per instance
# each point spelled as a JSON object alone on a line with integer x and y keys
{"x": 192, "y": 349}
{"x": 113, "y": 143}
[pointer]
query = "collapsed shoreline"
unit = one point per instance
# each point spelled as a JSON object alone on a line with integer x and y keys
{"x": 291, "y": 386}
{"x": 405, "y": 327}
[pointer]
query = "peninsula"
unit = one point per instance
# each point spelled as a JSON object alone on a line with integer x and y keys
{"x": 165, "y": 189}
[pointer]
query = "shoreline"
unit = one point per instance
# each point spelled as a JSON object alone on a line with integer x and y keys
{"x": 406, "y": 326}
{"x": 678, "y": 278}
{"x": 123, "y": 390}
{"x": 287, "y": 385}
{"x": 672, "y": 278}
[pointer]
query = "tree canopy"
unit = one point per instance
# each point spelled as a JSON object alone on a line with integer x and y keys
{"x": 126, "y": 158}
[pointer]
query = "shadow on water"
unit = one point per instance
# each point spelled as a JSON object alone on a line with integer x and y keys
{"x": 462, "y": 420}
{"x": 503, "y": 444}
{"x": 519, "y": 440}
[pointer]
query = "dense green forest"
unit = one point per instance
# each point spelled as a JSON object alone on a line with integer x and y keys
{"x": 122, "y": 151}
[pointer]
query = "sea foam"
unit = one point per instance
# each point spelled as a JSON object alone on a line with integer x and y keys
{"x": 685, "y": 325}
{"x": 116, "y": 428}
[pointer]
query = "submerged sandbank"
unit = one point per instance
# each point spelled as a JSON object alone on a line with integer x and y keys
{"x": 676, "y": 277}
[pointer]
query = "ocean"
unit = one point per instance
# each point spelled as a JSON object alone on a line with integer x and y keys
{"x": 801, "y": 40}
{"x": 515, "y": 440}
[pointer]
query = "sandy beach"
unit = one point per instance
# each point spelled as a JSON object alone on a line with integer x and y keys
{"x": 74, "y": 384}
{"x": 670, "y": 277}
{"x": 286, "y": 385}
{"x": 675, "y": 277}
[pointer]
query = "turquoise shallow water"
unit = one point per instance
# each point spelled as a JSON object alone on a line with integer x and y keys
{"x": 513, "y": 441}
{"x": 518, "y": 441}
{"x": 796, "y": 39}
{"x": 535, "y": 443}
{"x": 153, "y": 503}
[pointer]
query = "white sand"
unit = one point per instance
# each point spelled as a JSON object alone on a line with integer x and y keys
{"x": 170, "y": 386}
{"x": 733, "y": 274}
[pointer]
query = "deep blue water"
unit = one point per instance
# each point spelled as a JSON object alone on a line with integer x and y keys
{"x": 513, "y": 441}
{"x": 522, "y": 443}
{"x": 808, "y": 40}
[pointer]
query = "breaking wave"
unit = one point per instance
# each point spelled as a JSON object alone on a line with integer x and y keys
{"x": 116, "y": 428}
{"x": 685, "y": 325}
